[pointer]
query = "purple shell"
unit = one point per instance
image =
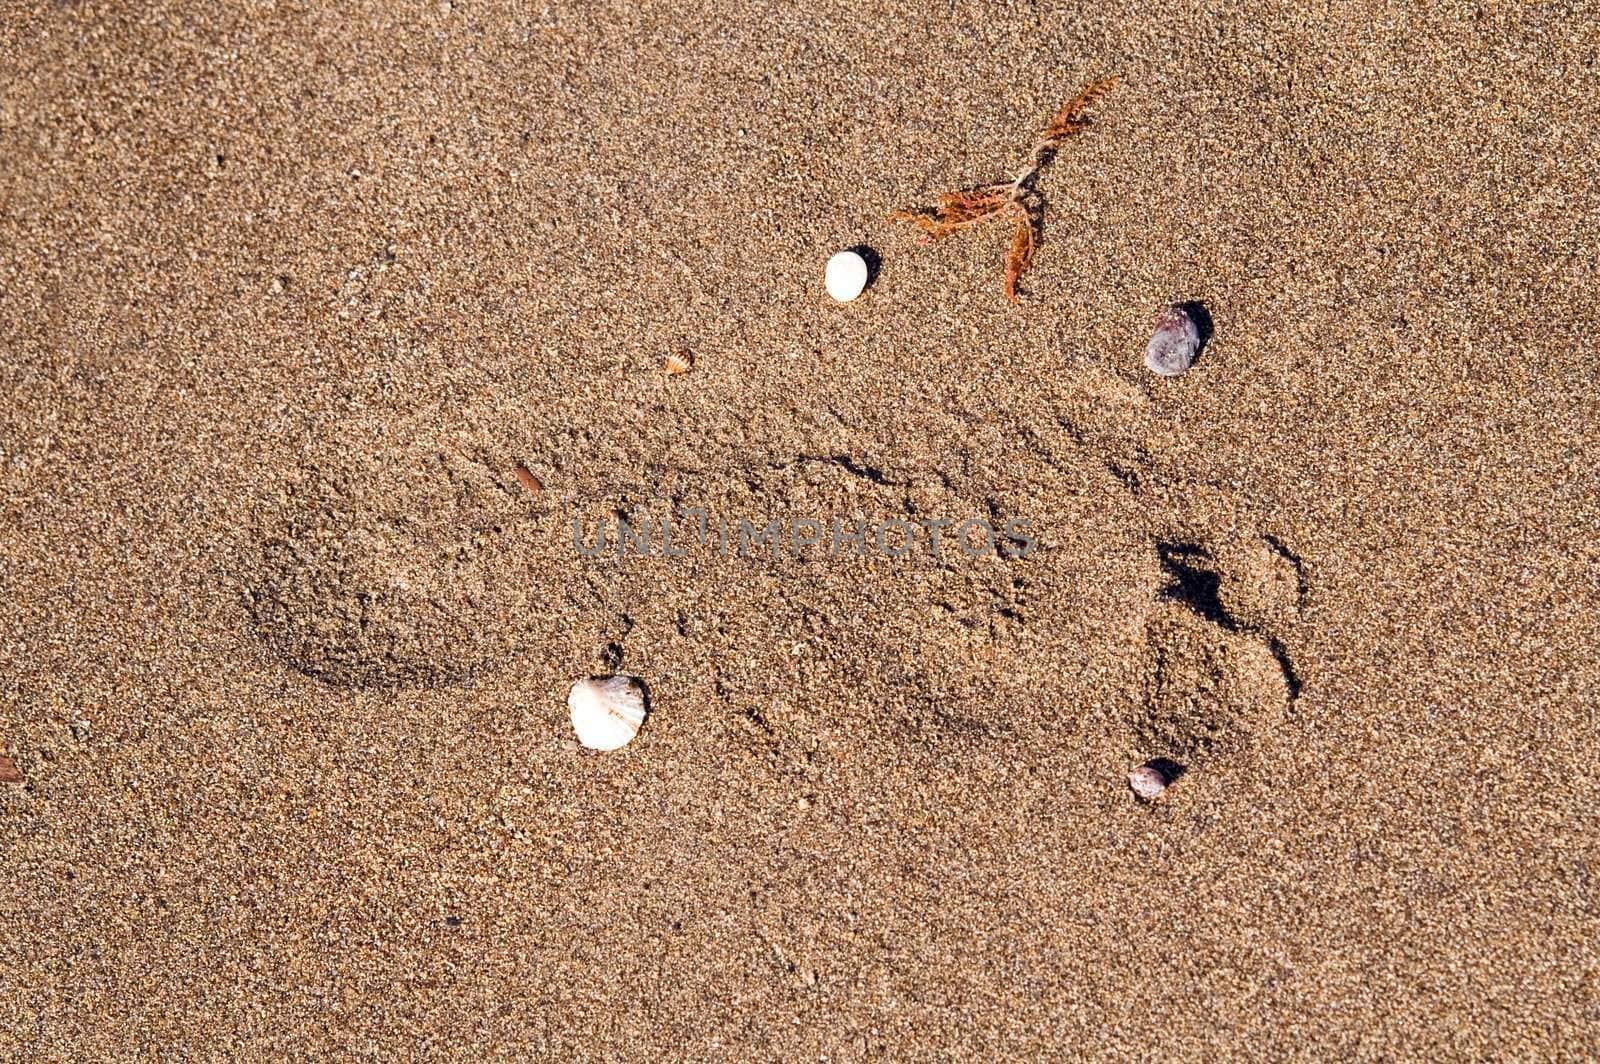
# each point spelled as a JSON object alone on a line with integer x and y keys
{"x": 1154, "y": 776}
{"x": 1147, "y": 782}
{"x": 1175, "y": 343}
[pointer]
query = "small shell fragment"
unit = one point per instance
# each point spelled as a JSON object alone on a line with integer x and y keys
{"x": 1148, "y": 780}
{"x": 677, "y": 362}
{"x": 526, "y": 478}
{"x": 845, "y": 276}
{"x": 9, "y": 772}
{"x": 1176, "y": 341}
{"x": 607, "y": 711}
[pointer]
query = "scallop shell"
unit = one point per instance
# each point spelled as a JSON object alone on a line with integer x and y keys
{"x": 607, "y": 711}
{"x": 1175, "y": 343}
{"x": 677, "y": 362}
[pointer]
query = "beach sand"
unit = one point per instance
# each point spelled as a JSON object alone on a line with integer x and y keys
{"x": 287, "y": 293}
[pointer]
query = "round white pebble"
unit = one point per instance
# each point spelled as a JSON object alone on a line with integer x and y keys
{"x": 845, "y": 276}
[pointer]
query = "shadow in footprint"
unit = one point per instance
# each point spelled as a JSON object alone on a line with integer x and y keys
{"x": 1193, "y": 582}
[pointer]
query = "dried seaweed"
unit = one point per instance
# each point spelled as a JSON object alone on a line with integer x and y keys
{"x": 1018, "y": 200}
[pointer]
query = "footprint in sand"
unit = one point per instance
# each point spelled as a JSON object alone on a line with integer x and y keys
{"x": 400, "y": 573}
{"x": 1218, "y": 681}
{"x": 1216, "y": 678}
{"x": 436, "y": 565}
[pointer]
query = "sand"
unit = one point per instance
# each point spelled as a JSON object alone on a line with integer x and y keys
{"x": 288, "y": 292}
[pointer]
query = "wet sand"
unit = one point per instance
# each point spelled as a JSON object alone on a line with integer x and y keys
{"x": 286, "y": 297}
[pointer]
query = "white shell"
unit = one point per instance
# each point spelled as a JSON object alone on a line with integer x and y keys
{"x": 607, "y": 711}
{"x": 845, "y": 276}
{"x": 1147, "y": 781}
{"x": 1175, "y": 343}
